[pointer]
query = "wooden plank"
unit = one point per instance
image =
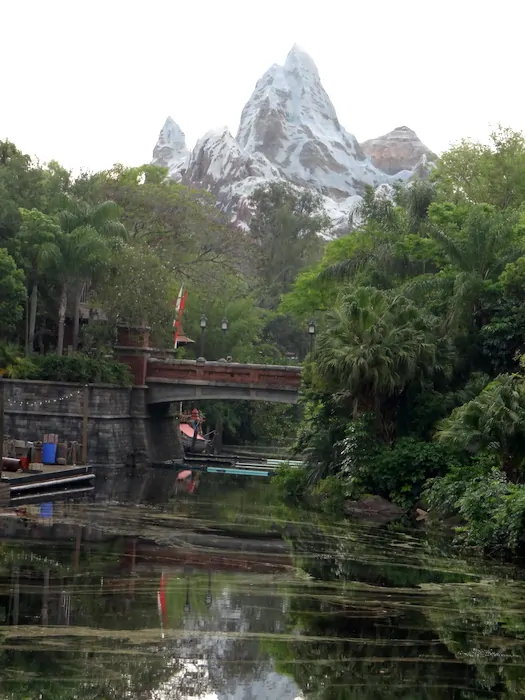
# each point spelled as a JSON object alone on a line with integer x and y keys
{"x": 45, "y": 475}
{"x": 242, "y": 472}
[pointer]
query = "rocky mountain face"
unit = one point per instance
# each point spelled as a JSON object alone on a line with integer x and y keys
{"x": 396, "y": 151}
{"x": 289, "y": 131}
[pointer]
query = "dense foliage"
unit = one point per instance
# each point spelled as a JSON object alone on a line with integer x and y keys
{"x": 417, "y": 378}
{"x": 79, "y": 257}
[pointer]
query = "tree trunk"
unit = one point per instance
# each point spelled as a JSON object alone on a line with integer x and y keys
{"x": 32, "y": 316}
{"x": 62, "y": 319}
{"x": 76, "y": 320}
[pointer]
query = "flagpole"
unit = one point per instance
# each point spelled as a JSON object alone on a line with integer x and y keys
{"x": 179, "y": 305}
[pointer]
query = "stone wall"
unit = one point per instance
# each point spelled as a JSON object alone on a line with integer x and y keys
{"x": 121, "y": 431}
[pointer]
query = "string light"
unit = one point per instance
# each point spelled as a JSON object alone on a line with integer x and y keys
{"x": 43, "y": 402}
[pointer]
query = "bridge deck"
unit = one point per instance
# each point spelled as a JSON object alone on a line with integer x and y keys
{"x": 178, "y": 380}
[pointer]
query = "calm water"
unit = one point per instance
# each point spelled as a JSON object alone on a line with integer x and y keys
{"x": 220, "y": 594}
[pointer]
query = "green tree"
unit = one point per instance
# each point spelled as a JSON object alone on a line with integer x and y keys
{"x": 492, "y": 421}
{"x": 20, "y": 186}
{"x": 374, "y": 346}
{"x": 37, "y": 242}
{"x": 286, "y": 227}
{"x": 87, "y": 234}
{"x": 476, "y": 253}
{"x": 12, "y": 294}
{"x": 492, "y": 173}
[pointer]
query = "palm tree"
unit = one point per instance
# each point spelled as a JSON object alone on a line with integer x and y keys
{"x": 375, "y": 344}
{"x": 37, "y": 240}
{"x": 87, "y": 236}
{"x": 477, "y": 254}
{"x": 386, "y": 222}
{"x": 494, "y": 420}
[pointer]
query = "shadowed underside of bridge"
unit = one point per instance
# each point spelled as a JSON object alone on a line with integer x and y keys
{"x": 183, "y": 380}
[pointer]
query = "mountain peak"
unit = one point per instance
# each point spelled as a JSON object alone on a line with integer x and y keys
{"x": 172, "y": 134}
{"x": 289, "y": 131}
{"x": 299, "y": 60}
{"x": 399, "y": 150}
{"x": 170, "y": 148}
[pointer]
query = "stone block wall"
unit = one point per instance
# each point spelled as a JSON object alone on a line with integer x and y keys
{"x": 120, "y": 427}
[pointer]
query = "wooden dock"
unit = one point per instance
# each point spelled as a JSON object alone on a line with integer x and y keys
{"x": 224, "y": 465}
{"x": 48, "y": 483}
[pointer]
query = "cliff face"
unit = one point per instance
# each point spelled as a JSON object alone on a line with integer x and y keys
{"x": 399, "y": 150}
{"x": 289, "y": 131}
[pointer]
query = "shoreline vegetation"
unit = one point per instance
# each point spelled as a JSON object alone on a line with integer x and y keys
{"x": 416, "y": 389}
{"x": 414, "y": 386}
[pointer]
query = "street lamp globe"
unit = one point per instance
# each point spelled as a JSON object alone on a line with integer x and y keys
{"x": 311, "y": 328}
{"x": 203, "y": 321}
{"x": 224, "y": 324}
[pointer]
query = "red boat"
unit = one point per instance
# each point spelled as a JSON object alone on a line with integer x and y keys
{"x": 186, "y": 434}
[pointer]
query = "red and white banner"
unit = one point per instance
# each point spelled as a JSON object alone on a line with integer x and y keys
{"x": 177, "y": 321}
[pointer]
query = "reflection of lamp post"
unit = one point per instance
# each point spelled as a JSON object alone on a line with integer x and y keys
{"x": 187, "y": 606}
{"x": 209, "y": 597}
{"x": 311, "y": 332}
{"x": 203, "y": 324}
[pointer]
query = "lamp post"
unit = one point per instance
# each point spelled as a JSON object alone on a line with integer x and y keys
{"x": 203, "y": 324}
{"x": 224, "y": 328}
{"x": 311, "y": 333}
{"x": 209, "y": 597}
{"x": 187, "y": 606}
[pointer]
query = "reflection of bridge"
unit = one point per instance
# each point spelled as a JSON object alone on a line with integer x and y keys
{"x": 179, "y": 380}
{"x": 170, "y": 380}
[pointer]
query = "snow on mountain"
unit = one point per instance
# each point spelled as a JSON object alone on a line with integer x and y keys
{"x": 290, "y": 119}
{"x": 288, "y": 131}
{"x": 170, "y": 150}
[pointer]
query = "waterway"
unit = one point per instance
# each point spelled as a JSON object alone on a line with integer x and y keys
{"x": 221, "y": 594}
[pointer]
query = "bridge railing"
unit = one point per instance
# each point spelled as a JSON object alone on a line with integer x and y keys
{"x": 275, "y": 376}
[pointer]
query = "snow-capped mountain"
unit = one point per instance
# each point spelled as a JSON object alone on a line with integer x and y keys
{"x": 288, "y": 131}
{"x": 170, "y": 148}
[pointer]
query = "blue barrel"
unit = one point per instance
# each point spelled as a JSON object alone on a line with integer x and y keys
{"x": 46, "y": 510}
{"x": 49, "y": 452}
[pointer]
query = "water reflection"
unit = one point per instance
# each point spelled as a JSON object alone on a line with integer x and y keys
{"x": 220, "y": 594}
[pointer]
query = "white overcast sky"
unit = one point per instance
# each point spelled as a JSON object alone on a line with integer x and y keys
{"x": 91, "y": 83}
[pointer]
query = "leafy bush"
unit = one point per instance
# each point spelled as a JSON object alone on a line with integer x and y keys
{"x": 290, "y": 483}
{"x": 21, "y": 368}
{"x": 82, "y": 369}
{"x": 492, "y": 509}
{"x": 442, "y": 494}
{"x": 8, "y": 354}
{"x": 400, "y": 473}
{"x": 78, "y": 367}
{"x": 396, "y": 472}
{"x": 332, "y": 493}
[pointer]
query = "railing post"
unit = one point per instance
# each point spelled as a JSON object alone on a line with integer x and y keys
{"x": 133, "y": 349}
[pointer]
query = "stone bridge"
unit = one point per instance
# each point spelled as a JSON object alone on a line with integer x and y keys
{"x": 183, "y": 380}
{"x": 170, "y": 380}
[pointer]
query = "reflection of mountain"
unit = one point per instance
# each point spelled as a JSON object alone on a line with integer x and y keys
{"x": 84, "y": 616}
{"x": 366, "y": 614}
